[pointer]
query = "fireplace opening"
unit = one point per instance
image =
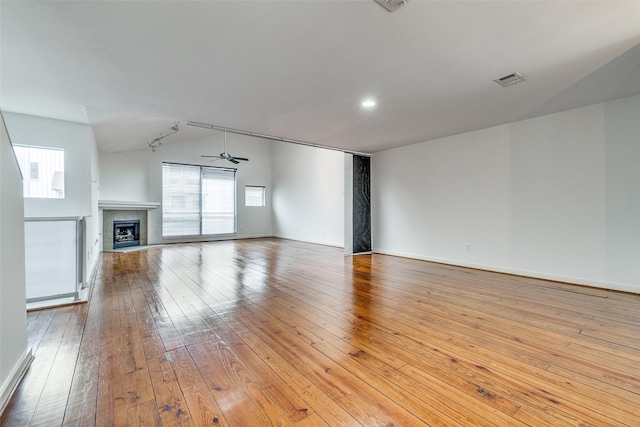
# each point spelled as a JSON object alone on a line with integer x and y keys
{"x": 126, "y": 233}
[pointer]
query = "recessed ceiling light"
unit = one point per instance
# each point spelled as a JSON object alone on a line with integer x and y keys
{"x": 368, "y": 103}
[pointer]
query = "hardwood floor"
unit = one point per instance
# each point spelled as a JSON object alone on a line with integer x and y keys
{"x": 274, "y": 332}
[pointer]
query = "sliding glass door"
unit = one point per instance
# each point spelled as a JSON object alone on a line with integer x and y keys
{"x": 198, "y": 200}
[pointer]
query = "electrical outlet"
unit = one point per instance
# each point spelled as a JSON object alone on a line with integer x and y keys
{"x": 467, "y": 247}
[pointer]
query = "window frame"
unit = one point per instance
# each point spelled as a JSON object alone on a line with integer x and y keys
{"x": 47, "y": 165}
{"x": 264, "y": 196}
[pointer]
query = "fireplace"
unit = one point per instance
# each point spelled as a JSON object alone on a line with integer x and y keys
{"x": 109, "y": 216}
{"x": 126, "y": 233}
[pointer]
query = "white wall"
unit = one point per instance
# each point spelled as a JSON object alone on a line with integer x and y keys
{"x": 137, "y": 177}
{"x": 14, "y": 355}
{"x": 622, "y": 191}
{"x": 93, "y": 223}
{"x": 308, "y": 194}
{"x": 77, "y": 140}
{"x": 554, "y": 197}
{"x": 80, "y": 163}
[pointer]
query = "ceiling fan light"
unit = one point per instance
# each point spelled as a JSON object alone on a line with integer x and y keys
{"x": 225, "y": 154}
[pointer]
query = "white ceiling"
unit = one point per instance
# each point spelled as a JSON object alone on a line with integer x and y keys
{"x": 299, "y": 69}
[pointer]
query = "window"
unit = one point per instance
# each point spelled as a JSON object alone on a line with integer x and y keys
{"x": 35, "y": 170}
{"x": 198, "y": 200}
{"x": 254, "y": 196}
{"x": 42, "y": 171}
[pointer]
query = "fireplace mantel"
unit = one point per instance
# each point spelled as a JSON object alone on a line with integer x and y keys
{"x": 127, "y": 206}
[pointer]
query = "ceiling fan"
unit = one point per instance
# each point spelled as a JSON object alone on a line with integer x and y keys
{"x": 226, "y": 156}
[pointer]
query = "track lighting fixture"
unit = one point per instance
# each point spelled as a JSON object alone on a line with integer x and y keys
{"x": 156, "y": 141}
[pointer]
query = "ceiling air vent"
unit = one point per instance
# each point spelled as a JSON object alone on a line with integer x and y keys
{"x": 510, "y": 79}
{"x": 391, "y": 5}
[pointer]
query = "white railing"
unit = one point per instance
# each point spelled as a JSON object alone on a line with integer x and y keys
{"x": 53, "y": 258}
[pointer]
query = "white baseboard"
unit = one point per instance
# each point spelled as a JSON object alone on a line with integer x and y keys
{"x": 199, "y": 239}
{"x": 516, "y": 272}
{"x": 11, "y": 384}
{"x": 315, "y": 242}
{"x": 253, "y": 236}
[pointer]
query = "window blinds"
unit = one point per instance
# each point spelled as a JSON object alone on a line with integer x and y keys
{"x": 254, "y": 196}
{"x": 198, "y": 200}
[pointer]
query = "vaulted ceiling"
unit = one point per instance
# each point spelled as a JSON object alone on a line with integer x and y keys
{"x": 300, "y": 69}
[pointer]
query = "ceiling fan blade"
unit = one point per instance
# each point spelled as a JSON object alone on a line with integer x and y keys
{"x": 232, "y": 160}
{"x": 217, "y": 157}
{"x": 244, "y": 159}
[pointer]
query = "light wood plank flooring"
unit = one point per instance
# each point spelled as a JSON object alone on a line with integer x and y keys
{"x": 275, "y": 332}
